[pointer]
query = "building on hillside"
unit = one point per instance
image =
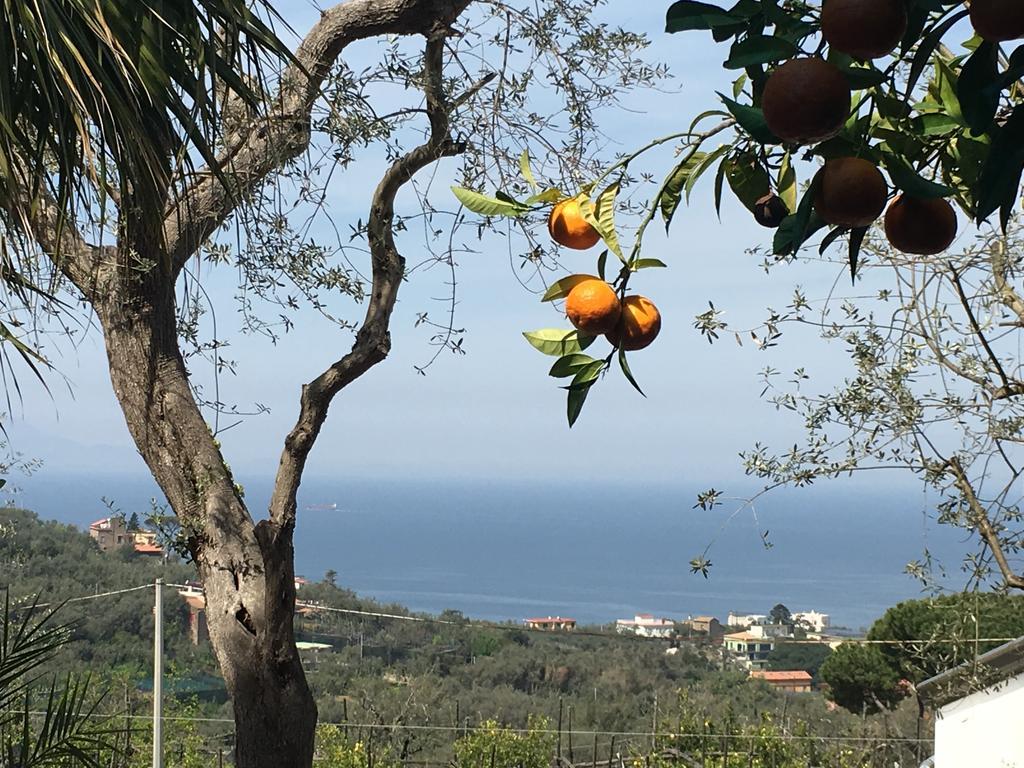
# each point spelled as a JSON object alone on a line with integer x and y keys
{"x": 704, "y": 625}
{"x": 771, "y": 630}
{"x": 646, "y": 625}
{"x": 300, "y": 582}
{"x": 789, "y": 681}
{"x": 977, "y": 710}
{"x": 813, "y": 620}
{"x": 745, "y": 619}
{"x": 751, "y": 650}
{"x": 553, "y": 623}
{"x": 111, "y": 533}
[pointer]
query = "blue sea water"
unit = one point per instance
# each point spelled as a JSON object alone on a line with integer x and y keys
{"x": 507, "y": 550}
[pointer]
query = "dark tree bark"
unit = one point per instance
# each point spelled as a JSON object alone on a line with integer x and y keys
{"x": 247, "y": 567}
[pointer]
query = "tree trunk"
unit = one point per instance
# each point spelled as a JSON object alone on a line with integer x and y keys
{"x": 247, "y": 569}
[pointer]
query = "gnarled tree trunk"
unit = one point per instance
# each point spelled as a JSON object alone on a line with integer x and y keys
{"x": 247, "y": 567}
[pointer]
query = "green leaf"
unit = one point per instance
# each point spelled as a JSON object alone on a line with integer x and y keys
{"x": 639, "y": 264}
{"x": 624, "y": 365}
{"x": 751, "y": 120}
{"x": 687, "y": 14}
{"x": 702, "y": 166}
{"x": 908, "y": 180}
{"x": 602, "y": 262}
{"x": 672, "y": 189}
{"x": 927, "y": 46}
{"x": 579, "y": 388}
{"x": 547, "y": 196}
{"x": 856, "y": 241}
{"x": 862, "y": 78}
{"x": 524, "y": 167}
{"x": 747, "y": 178}
{"x": 759, "y": 49}
{"x": 601, "y": 216}
{"x": 946, "y": 86}
{"x": 569, "y": 365}
{"x": 487, "y": 206}
{"x": 560, "y": 288}
{"x": 574, "y": 403}
{"x": 557, "y": 342}
{"x": 1000, "y": 178}
{"x": 830, "y": 238}
{"x": 978, "y": 87}
{"x": 719, "y": 185}
{"x": 787, "y": 182}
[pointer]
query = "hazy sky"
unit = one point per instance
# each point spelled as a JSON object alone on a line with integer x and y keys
{"x": 495, "y": 412}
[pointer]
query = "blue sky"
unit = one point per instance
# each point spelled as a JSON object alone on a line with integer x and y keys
{"x": 495, "y": 412}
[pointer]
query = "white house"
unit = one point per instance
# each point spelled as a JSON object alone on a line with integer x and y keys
{"x": 978, "y": 709}
{"x": 646, "y": 625}
{"x": 771, "y": 630}
{"x": 745, "y": 619}
{"x": 814, "y": 620}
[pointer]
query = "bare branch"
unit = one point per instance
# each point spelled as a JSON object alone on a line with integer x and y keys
{"x": 373, "y": 341}
{"x": 984, "y": 524}
{"x": 284, "y": 134}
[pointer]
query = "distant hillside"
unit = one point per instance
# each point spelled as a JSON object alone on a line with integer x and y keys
{"x": 51, "y": 562}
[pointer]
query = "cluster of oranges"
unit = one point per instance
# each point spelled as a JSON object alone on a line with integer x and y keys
{"x": 593, "y": 306}
{"x": 807, "y": 100}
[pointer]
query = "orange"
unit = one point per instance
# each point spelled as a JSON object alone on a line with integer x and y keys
{"x": 922, "y": 226}
{"x": 592, "y": 307}
{"x": 770, "y": 210}
{"x": 864, "y": 29}
{"x": 638, "y": 326}
{"x": 851, "y": 192}
{"x": 998, "y": 20}
{"x": 806, "y": 100}
{"x": 568, "y": 227}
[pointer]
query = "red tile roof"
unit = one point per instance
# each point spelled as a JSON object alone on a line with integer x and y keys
{"x": 793, "y": 676}
{"x": 149, "y": 549}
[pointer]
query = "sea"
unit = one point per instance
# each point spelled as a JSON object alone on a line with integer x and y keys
{"x": 504, "y": 550}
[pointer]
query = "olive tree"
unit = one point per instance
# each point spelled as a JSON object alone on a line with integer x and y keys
{"x": 122, "y": 240}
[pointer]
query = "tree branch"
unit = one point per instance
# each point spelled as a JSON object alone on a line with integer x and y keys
{"x": 984, "y": 524}
{"x": 1008, "y": 388}
{"x": 59, "y": 239}
{"x": 284, "y": 134}
{"x": 373, "y": 341}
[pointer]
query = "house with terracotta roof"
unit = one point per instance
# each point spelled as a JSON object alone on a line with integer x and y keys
{"x": 111, "y": 533}
{"x": 554, "y": 623}
{"x": 788, "y": 681}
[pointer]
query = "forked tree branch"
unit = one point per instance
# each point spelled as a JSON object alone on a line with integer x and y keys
{"x": 984, "y": 524}
{"x": 283, "y": 135}
{"x": 373, "y": 341}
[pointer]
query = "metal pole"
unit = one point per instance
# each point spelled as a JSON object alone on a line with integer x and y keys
{"x": 158, "y": 675}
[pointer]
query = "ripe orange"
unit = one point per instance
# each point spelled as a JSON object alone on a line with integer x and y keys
{"x": 639, "y": 326}
{"x": 770, "y": 210}
{"x": 851, "y": 192}
{"x": 864, "y": 29}
{"x": 568, "y": 227}
{"x": 922, "y": 226}
{"x": 998, "y": 20}
{"x": 592, "y": 307}
{"x": 806, "y": 100}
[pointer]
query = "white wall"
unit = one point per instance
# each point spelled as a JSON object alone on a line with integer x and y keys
{"x": 982, "y": 730}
